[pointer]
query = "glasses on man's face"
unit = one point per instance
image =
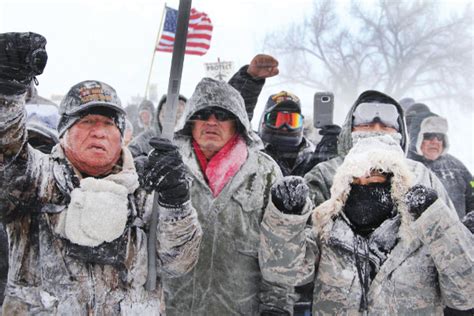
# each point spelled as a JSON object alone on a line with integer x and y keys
{"x": 220, "y": 115}
{"x": 432, "y": 136}
{"x": 276, "y": 120}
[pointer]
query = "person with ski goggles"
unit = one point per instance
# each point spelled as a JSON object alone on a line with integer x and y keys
{"x": 281, "y": 130}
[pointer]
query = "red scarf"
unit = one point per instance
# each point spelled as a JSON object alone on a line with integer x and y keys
{"x": 223, "y": 165}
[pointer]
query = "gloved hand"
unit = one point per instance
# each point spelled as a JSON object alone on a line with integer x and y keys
{"x": 22, "y": 57}
{"x": 289, "y": 194}
{"x": 468, "y": 221}
{"x": 327, "y": 147}
{"x": 419, "y": 198}
{"x": 263, "y": 66}
{"x": 166, "y": 174}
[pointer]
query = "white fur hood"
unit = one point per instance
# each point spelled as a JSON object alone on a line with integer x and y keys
{"x": 374, "y": 153}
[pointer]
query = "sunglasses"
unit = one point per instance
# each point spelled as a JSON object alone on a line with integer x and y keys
{"x": 220, "y": 114}
{"x": 366, "y": 113}
{"x": 431, "y": 136}
{"x": 276, "y": 120}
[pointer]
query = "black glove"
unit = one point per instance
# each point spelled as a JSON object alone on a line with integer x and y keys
{"x": 166, "y": 173}
{"x": 468, "y": 221}
{"x": 289, "y": 194}
{"x": 327, "y": 147}
{"x": 22, "y": 57}
{"x": 419, "y": 198}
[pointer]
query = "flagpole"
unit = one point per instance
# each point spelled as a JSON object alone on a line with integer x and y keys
{"x": 154, "y": 51}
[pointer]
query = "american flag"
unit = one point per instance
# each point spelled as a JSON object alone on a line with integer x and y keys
{"x": 199, "y": 32}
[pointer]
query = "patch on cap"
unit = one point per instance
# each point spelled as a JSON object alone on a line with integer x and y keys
{"x": 284, "y": 96}
{"x": 89, "y": 94}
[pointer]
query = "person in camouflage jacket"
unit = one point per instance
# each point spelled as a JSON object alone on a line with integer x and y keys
{"x": 380, "y": 245}
{"x": 77, "y": 218}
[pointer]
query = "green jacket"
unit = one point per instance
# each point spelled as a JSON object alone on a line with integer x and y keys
{"x": 227, "y": 279}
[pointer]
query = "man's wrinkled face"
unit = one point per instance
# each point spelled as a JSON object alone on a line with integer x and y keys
{"x": 212, "y": 132}
{"x": 432, "y": 147}
{"x": 93, "y": 144}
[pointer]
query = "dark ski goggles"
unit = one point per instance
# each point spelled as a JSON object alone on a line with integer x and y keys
{"x": 431, "y": 136}
{"x": 291, "y": 120}
{"x": 220, "y": 114}
{"x": 367, "y": 113}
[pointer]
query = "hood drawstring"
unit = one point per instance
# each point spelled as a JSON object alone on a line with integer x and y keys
{"x": 363, "y": 269}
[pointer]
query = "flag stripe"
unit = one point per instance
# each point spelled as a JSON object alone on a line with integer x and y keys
{"x": 199, "y": 32}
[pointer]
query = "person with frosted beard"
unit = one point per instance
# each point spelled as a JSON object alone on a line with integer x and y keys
{"x": 381, "y": 244}
{"x": 231, "y": 190}
{"x": 77, "y": 218}
{"x": 372, "y": 114}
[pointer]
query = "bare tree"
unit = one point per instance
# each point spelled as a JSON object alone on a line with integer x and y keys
{"x": 404, "y": 48}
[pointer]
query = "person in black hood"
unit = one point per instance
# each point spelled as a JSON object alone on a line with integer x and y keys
{"x": 281, "y": 130}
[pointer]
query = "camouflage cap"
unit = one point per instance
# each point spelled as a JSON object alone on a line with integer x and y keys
{"x": 85, "y": 96}
{"x": 88, "y": 94}
{"x": 283, "y": 100}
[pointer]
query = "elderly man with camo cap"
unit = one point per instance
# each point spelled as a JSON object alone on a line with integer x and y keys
{"x": 77, "y": 219}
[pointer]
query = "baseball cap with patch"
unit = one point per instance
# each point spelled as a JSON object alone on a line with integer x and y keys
{"x": 86, "y": 97}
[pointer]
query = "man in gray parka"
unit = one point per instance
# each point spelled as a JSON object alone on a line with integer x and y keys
{"x": 77, "y": 218}
{"x": 381, "y": 245}
{"x": 231, "y": 190}
{"x": 320, "y": 178}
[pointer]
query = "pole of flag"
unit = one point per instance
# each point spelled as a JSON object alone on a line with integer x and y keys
{"x": 170, "y": 108}
{"x": 154, "y": 51}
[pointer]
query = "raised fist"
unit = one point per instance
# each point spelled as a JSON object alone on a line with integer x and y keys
{"x": 22, "y": 57}
{"x": 263, "y": 66}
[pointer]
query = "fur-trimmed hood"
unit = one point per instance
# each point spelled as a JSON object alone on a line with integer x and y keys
{"x": 373, "y": 153}
{"x": 433, "y": 124}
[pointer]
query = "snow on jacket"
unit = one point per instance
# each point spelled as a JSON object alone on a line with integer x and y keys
{"x": 320, "y": 178}
{"x": 452, "y": 173}
{"x": 429, "y": 263}
{"x": 48, "y": 273}
{"x": 227, "y": 279}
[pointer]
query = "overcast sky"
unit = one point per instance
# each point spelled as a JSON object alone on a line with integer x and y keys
{"x": 113, "y": 40}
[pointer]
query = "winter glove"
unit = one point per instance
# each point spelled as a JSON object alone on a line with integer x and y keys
{"x": 166, "y": 174}
{"x": 468, "y": 221}
{"x": 419, "y": 198}
{"x": 263, "y": 66}
{"x": 22, "y": 57}
{"x": 327, "y": 147}
{"x": 289, "y": 194}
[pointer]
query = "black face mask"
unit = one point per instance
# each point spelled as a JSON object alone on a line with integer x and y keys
{"x": 368, "y": 206}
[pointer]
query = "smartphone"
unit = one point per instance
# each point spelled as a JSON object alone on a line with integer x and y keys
{"x": 323, "y": 109}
